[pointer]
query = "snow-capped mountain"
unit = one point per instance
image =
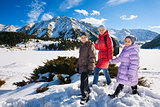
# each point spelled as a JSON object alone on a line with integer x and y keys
{"x": 9, "y": 28}
{"x": 59, "y": 27}
{"x": 140, "y": 34}
{"x": 67, "y": 27}
{"x": 154, "y": 44}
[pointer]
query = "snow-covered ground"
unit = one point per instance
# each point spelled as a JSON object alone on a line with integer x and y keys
{"x": 15, "y": 65}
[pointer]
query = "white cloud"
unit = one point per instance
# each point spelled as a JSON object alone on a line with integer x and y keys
{"x": 22, "y": 21}
{"x": 94, "y": 21}
{"x": 154, "y": 27}
{"x": 94, "y": 12}
{"x": 36, "y": 9}
{"x": 67, "y": 4}
{"x": 84, "y": 12}
{"x": 46, "y": 16}
{"x": 117, "y": 2}
{"x": 124, "y": 17}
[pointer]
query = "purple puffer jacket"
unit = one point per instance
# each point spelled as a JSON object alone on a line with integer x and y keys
{"x": 128, "y": 69}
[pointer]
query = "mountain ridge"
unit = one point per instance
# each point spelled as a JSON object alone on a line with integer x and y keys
{"x": 68, "y": 27}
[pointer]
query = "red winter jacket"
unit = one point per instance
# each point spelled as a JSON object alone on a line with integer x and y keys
{"x": 105, "y": 52}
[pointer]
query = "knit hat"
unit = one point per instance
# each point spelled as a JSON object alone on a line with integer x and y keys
{"x": 85, "y": 34}
{"x": 102, "y": 26}
{"x": 133, "y": 39}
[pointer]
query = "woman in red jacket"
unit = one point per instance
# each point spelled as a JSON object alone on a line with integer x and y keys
{"x": 104, "y": 55}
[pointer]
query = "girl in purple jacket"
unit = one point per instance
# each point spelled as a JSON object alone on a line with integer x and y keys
{"x": 128, "y": 69}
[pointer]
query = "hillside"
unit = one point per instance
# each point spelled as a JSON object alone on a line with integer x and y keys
{"x": 154, "y": 44}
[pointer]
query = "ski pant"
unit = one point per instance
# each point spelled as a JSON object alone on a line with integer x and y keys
{"x": 84, "y": 85}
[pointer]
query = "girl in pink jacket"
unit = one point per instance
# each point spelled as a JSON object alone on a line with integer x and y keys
{"x": 128, "y": 69}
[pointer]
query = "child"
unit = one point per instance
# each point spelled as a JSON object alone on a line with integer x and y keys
{"x": 86, "y": 64}
{"x": 128, "y": 70}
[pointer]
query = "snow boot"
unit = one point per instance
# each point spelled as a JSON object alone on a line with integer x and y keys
{"x": 134, "y": 90}
{"x": 84, "y": 100}
{"x": 118, "y": 90}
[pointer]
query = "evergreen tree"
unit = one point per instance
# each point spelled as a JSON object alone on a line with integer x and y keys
{"x": 13, "y": 38}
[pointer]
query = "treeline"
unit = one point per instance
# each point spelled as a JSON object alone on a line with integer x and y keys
{"x": 13, "y": 38}
{"x": 155, "y": 43}
{"x": 63, "y": 44}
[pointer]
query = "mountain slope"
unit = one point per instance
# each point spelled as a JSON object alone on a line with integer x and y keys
{"x": 140, "y": 34}
{"x": 9, "y": 28}
{"x": 155, "y": 43}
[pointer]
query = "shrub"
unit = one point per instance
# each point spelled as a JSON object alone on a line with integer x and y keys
{"x": 20, "y": 84}
{"x": 2, "y": 82}
{"x": 101, "y": 73}
{"x": 144, "y": 69}
{"x": 62, "y": 65}
{"x": 64, "y": 80}
{"x": 37, "y": 40}
{"x": 42, "y": 89}
{"x": 143, "y": 82}
{"x": 113, "y": 70}
{"x": 34, "y": 76}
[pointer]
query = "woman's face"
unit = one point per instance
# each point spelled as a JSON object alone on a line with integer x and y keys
{"x": 128, "y": 42}
{"x": 84, "y": 39}
{"x": 101, "y": 31}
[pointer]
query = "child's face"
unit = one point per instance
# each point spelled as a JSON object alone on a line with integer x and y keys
{"x": 84, "y": 39}
{"x": 128, "y": 42}
{"x": 101, "y": 31}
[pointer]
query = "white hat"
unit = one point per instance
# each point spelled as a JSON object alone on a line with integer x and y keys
{"x": 102, "y": 26}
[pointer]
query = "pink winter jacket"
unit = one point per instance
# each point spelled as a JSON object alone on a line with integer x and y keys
{"x": 128, "y": 69}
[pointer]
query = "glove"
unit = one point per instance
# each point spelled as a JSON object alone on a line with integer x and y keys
{"x": 90, "y": 72}
{"x": 110, "y": 61}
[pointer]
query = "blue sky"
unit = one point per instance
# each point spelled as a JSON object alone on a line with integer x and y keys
{"x": 118, "y": 14}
